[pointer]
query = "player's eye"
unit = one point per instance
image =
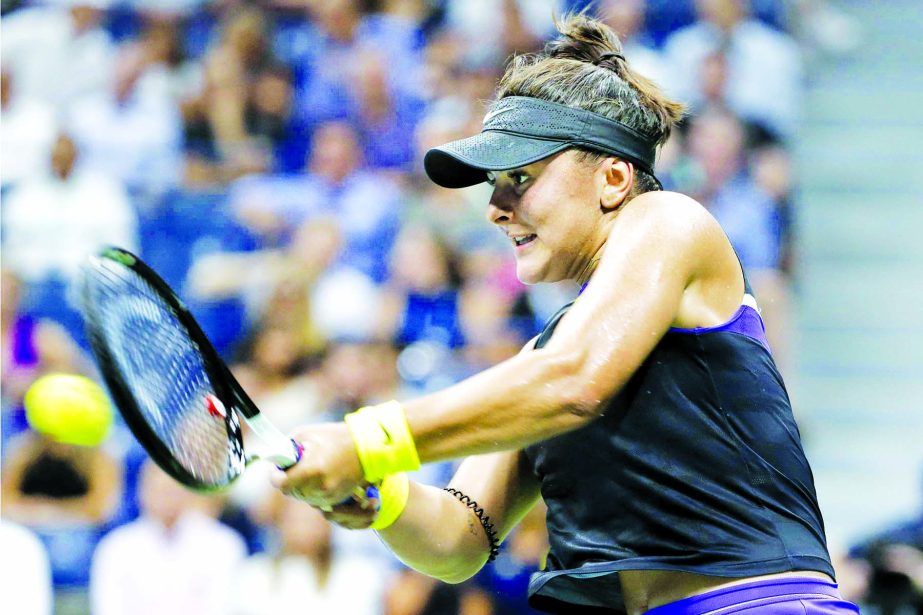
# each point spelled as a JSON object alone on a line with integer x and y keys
{"x": 518, "y": 177}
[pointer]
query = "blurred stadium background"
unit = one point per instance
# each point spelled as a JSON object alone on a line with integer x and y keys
{"x": 264, "y": 156}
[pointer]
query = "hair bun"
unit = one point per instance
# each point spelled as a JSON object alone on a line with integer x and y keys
{"x": 609, "y": 55}
{"x": 583, "y": 39}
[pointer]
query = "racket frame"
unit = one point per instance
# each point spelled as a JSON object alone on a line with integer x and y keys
{"x": 277, "y": 448}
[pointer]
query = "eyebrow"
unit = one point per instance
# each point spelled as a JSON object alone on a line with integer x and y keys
{"x": 508, "y": 172}
{"x": 492, "y": 175}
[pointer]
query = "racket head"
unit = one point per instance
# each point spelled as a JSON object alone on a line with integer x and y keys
{"x": 168, "y": 382}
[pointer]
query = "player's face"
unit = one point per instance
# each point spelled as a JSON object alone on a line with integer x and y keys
{"x": 551, "y": 212}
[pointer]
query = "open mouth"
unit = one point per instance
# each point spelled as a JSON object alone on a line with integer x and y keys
{"x": 523, "y": 240}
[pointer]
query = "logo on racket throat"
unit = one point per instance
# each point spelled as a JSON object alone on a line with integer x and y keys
{"x": 215, "y": 407}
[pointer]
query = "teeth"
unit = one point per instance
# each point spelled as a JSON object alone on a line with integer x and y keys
{"x": 524, "y": 239}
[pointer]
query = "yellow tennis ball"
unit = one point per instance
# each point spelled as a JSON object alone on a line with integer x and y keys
{"x": 69, "y": 408}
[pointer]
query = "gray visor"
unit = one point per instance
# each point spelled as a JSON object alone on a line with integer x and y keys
{"x": 520, "y": 130}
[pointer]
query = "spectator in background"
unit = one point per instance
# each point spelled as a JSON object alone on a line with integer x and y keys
{"x": 30, "y": 348}
{"x": 825, "y": 27}
{"x": 28, "y": 131}
{"x": 176, "y": 558}
{"x": 490, "y": 30}
{"x": 413, "y": 593}
{"x": 497, "y": 319}
{"x": 232, "y": 125}
{"x": 454, "y": 214}
{"x": 344, "y": 36}
{"x": 275, "y": 373}
{"x": 25, "y": 575}
{"x": 48, "y": 483}
{"x": 356, "y": 373}
{"x": 131, "y": 132}
{"x": 58, "y": 51}
{"x": 764, "y": 68}
{"x": 305, "y": 572}
{"x": 167, "y": 67}
{"x": 627, "y": 17}
{"x": 385, "y": 117}
{"x": 885, "y": 570}
{"x": 747, "y": 213}
{"x": 364, "y": 204}
{"x": 323, "y": 91}
{"x": 276, "y": 285}
{"x": 421, "y": 297}
{"x": 67, "y": 494}
{"x": 51, "y": 223}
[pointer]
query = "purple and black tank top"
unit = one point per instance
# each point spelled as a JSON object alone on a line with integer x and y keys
{"x": 696, "y": 465}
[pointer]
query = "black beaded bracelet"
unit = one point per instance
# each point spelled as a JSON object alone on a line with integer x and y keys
{"x": 484, "y": 519}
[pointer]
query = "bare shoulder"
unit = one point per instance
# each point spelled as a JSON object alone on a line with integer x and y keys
{"x": 667, "y": 207}
{"x": 683, "y": 234}
{"x": 671, "y": 217}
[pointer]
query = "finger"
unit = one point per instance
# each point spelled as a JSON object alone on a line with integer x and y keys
{"x": 350, "y": 520}
{"x": 279, "y": 479}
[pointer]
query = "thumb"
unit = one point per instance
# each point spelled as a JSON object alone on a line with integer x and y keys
{"x": 278, "y": 478}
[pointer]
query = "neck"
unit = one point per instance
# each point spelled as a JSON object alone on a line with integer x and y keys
{"x": 588, "y": 270}
{"x": 584, "y": 276}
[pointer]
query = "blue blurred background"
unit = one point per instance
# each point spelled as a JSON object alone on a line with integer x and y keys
{"x": 264, "y": 157}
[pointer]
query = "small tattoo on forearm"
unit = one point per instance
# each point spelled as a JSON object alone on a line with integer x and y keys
{"x": 484, "y": 520}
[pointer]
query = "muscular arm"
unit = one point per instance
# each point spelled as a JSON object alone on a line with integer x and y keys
{"x": 666, "y": 263}
{"x": 441, "y": 537}
{"x": 659, "y": 247}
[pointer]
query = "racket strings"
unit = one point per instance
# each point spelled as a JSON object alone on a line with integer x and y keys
{"x": 163, "y": 370}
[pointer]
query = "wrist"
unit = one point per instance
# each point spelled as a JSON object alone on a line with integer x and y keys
{"x": 393, "y": 493}
{"x": 384, "y": 444}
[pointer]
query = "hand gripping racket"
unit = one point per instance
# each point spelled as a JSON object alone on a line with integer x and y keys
{"x": 175, "y": 393}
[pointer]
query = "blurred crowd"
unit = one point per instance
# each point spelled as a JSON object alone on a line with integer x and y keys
{"x": 265, "y": 158}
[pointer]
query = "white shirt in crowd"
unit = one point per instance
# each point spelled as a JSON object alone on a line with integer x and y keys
{"x": 137, "y": 141}
{"x": 267, "y": 586}
{"x": 764, "y": 70}
{"x": 142, "y": 568}
{"x": 27, "y": 132}
{"x": 50, "y": 60}
{"x": 51, "y": 225}
{"x": 25, "y": 574}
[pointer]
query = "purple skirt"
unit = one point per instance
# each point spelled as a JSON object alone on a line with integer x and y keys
{"x": 785, "y": 596}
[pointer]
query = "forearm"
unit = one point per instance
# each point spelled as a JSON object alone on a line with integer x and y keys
{"x": 438, "y": 536}
{"x": 528, "y": 398}
{"x": 441, "y": 536}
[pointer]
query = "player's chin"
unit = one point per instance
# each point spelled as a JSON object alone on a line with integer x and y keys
{"x": 532, "y": 271}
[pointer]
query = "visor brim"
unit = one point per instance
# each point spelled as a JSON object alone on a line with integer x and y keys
{"x": 465, "y": 162}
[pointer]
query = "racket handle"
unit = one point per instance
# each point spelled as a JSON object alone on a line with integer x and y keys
{"x": 286, "y": 461}
{"x": 362, "y": 493}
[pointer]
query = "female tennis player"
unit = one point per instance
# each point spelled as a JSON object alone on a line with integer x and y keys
{"x": 648, "y": 414}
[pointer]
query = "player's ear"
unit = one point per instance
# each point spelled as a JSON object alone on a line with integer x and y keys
{"x": 617, "y": 179}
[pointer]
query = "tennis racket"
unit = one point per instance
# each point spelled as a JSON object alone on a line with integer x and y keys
{"x": 175, "y": 393}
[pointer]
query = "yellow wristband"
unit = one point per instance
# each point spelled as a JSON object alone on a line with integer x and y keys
{"x": 383, "y": 440}
{"x": 393, "y": 492}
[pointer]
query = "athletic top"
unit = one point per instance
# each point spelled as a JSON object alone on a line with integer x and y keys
{"x": 696, "y": 465}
